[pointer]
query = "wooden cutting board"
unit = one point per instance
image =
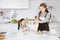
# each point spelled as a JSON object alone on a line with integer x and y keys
{"x": 2, "y": 36}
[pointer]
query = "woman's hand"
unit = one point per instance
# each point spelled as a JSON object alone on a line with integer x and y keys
{"x": 40, "y": 32}
{"x": 40, "y": 21}
{"x": 36, "y": 21}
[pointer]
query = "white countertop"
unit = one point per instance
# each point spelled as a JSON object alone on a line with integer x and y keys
{"x": 31, "y": 36}
{"x": 12, "y": 33}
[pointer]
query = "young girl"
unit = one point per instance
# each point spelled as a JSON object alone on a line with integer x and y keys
{"x": 44, "y": 17}
{"x": 22, "y": 25}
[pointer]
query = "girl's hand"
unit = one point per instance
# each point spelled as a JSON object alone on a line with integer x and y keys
{"x": 25, "y": 29}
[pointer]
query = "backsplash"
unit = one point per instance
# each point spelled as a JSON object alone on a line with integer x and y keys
{"x": 33, "y": 10}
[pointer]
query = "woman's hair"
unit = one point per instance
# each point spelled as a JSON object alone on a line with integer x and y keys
{"x": 20, "y": 22}
{"x": 45, "y": 6}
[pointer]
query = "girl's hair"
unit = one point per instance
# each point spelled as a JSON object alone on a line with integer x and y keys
{"x": 20, "y": 22}
{"x": 45, "y": 6}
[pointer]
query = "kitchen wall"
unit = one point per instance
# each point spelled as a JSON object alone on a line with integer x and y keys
{"x": 31, "y": 12}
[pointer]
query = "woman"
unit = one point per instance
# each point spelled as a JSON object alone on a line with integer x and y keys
{"x": 22, "y": 25}
{"x": 43, "y": 17}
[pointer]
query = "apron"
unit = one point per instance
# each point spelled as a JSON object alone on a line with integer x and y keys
{"x": 43, "y": 26}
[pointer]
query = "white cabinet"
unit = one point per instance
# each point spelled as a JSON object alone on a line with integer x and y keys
{"x": 14, "y": 4}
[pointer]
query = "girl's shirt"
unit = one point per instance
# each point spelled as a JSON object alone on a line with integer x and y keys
{"x": 23, "y": 27}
